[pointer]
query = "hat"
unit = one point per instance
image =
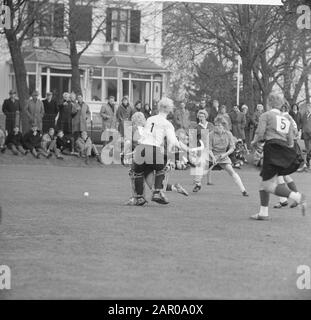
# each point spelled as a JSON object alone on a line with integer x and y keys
{"x": 35, "y": 92}
{"x": 49, "y": 93}
{"x": 12, "y": 92}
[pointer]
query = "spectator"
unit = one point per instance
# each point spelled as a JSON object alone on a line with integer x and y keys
{"x": 124, "y": 113}
{"x": 238, "y": 121}
{"x": 64, "y": 121}
{"x": 202, "y": 105}
{"x": 64, "y": 144}
{"x": 223, "y": 113}
{"x": 80, "y": 114}
{"x": 182, "y": 117}
{"x": 155, "y": 109}
{"x": 213, "y": 112}
{"x": 248, "y": 125}
{"x": 86, "y": 148}
{"x": 32, "y": 142}
{"x": 306, "y": 132}
{"x": 258, "y": 112}
{"x": 14, "y": 142}
{"x": 147, "y": 110}
{"x": 108, "y": 114}
{"x": 35, "y": 111}
{"x": 50, "y": 112}
{"x": 48, "y": 143}
{"x": 138, "y": 106}
{"x": 296, "y": 115}
{"x": 9, "y": 108}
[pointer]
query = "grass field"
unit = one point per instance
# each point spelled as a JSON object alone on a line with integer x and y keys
{"x": 60, "y": 244}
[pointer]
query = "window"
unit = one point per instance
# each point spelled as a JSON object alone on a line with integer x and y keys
{"x": 81, "y": 22}
{"x": 111, "y": 88}
{"x": 123, "y": 25}
{"x": 49, "y": 19}
{"x": 96, "y": 90}
{"x": 111, "y": 72}
{"x": 31, "y": 83}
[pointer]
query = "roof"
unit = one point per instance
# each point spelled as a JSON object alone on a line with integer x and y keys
{"x": 124, "y": 62}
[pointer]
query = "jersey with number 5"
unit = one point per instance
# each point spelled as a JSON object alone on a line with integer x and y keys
{"x": 156, "y": 129}
{"x": 274, "y": 124}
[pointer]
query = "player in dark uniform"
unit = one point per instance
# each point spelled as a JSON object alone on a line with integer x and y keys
{"x": 280, "y": 156}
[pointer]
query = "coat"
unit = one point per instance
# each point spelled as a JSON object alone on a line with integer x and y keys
{"x": 306, "y": 125}
{"x": 9, "y": 108}
{"x": 80, "y": 114}
{"x": 238, "y": 121}
{"x": 108, "y": 115}
{"x": 31, "y": 141}
{"x": 50, "y": 112}
{"x": 82, "y": 145}
{"x": 124, "y": 114}
{"x": 182, "y": 119}
{"x": 296, "y": 117}
{"x": 16, "y": 139}
{"x": 64, "y": 121}
{"x": 212, "y": 114}
{"x": 35, "y": 112}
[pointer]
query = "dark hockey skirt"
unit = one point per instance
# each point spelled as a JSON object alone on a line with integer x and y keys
{"x": 279, "y": 160}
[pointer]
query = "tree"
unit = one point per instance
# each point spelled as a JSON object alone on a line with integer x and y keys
{"x": 21, "y": 23}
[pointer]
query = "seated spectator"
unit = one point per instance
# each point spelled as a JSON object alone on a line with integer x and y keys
{"x": 86, "y": 148}
{"x": 48, "y": 143}
{"x": 32, "y": 142}
{"x": 14, "y": 142}
{"x": 64, "y": 144}
{"x": 2, "y": 140}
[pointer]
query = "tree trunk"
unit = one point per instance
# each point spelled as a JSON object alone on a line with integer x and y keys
{"x": 20, "y": 75}
{"x": 75, "y": 74}
{"x": 248, "y": 93}
{"x": 307, "y": 90}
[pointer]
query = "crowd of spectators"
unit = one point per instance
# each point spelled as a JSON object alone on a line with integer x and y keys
{"x": 61, "y": 128}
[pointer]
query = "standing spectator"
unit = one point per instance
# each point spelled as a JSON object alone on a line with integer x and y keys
{"x": 182, "y": 117}
{"x": 238, "y": 121}
{"x": 147, "y": 110}
{"x": 155, "y": 109}
{"x": 306, "y": 132}
{"x": 64, "y": 122}
{"x": 248, "y": 125}
{"x": 80, "y": 114}
{"x": 86, "y": 148}
{"x": 203, "y": 105}
{"x": 213, "y": 111}
{"x": 32, "y": 142}
{"x": 9, "y": 108}
{"x": 14, "y": 142}
{"x": 223, "y": 113}
{"x": 258, "y": 112}
{"x": 50, "y": 112}
{"x": 124, "y": 113}
{"x": 34, "y": 110}
{"x": 138, "y": 106}
{"x": 296, "y": 115}
{"x": 48, "y": 143}
{"x": 108, "y": 114}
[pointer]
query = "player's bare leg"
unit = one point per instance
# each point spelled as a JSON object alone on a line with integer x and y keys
{"x": 236, "y": 178}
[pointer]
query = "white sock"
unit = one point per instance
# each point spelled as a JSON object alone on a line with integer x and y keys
{"x": 263, "y": 211}
{"x": 282, "y": 199}
{"x": 296, "y": 196}
{"x": 174, "y": 188}
{"x": 238, "y": 182}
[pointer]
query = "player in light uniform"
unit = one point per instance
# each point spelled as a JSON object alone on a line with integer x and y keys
{"x": 280, "y": 158}
{"x": 149, "y": 155}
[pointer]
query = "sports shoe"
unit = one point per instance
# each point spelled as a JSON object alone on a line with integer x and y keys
{"x": 303, "y": 204}
{"x": 180, "y": 189}
{"x": 131, "y": 202}
{"x": 141, "y": 201}
{"x": 60, "y": 157}
{"x": 209, "y": 184}
{"x": 303, "y": 168}
{"x": 257, "y": 216}
{"x": 280, "y": 205}
{"x": 196, "y": 188}
{"x": 159, "y": 197}
{"x": 293, "y": 205}
{"x": 245, "y": 194}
